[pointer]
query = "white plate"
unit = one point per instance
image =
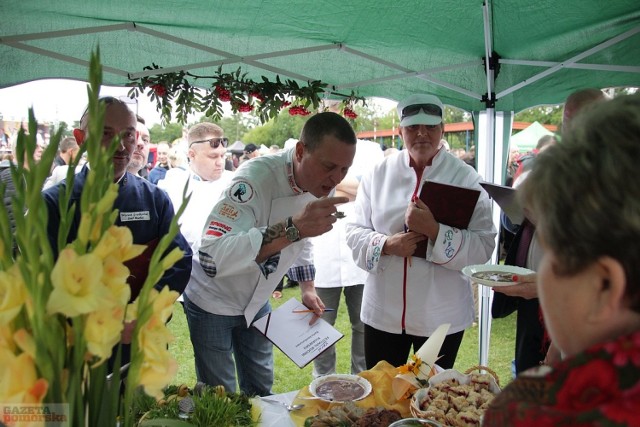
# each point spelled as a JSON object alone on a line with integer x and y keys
{"x": 355, "y": 379}
{"x": 470, "y": 270}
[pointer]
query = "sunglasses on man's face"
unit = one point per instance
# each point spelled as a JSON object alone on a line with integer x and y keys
{"x": 213, "y": 142}
{"x": 430, "y": 109}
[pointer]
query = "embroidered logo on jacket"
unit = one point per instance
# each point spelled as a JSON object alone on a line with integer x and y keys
{"x": 241, "y": 192}
{"x": 217, "y": 229}
{"x": 228, "y": 211}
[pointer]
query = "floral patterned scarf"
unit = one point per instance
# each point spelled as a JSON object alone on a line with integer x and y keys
{"x": 600, "y": 386}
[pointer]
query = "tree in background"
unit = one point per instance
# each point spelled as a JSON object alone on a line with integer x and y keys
{"x": 167, "y": 133}
{"x": 276, "y": 131}
{"x": 236, "y": 126}
{"x": 545, "y": 115}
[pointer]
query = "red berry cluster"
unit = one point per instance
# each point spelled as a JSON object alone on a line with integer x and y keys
{"x": 223, "y": 94}
{"x": 285, "y": 104}
{"x": 257, "y": 96}
{"x": 159, "y": 90}
{"x": 244, "y": 107}
{"x": 350, "y": 114}
{"x": 298, "y": 111}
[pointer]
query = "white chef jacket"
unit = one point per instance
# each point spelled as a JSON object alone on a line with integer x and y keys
{"x": 334, "y": 263}
{"x": 204, "y": 196}
{"x": 227, "y": 280}
{"x": 431, "y": 291}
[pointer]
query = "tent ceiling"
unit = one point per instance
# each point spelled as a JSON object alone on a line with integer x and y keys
{"x": 547, "y": 48}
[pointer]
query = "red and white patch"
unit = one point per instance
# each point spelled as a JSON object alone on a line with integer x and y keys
{"x": 217, "y": 229}
{"x": 228, "y": 211}
{"x": 241, "y": 192}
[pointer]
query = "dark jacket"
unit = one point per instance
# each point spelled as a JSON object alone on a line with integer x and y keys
{"x": 146, "y": 211}
{"x": 531, "y": 345}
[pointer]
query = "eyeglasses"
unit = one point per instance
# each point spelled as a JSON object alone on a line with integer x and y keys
{"x": 213, "y": 142}
{"x": 412, "y": 110}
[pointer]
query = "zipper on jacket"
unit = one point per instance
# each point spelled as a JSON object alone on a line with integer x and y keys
{"x": 406, "y": 260}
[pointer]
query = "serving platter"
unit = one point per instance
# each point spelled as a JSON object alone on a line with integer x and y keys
{"x": 340, "y": 388}
{"x": 495, "y": 275}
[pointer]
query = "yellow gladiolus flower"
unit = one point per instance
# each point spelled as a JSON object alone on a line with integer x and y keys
{"x": 102, "y": 331}
{"x": 114, "y": 277}
{"x": 118, "y": 242}
{"x": 25, "y": 341}
{"x": 158, "y": 367}
{"x": 12, "y": 294}
{"x": 77, "y": 286}
{"x": 19, "y": 382}
{"x": 163, "y": 303}
{"x": 6, "y": 337}
{"x": 132, "y": 312}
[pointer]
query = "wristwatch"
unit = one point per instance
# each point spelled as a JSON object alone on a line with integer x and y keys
{"x": 290, "y": 230}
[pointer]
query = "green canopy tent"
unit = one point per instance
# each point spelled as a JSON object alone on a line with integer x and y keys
{"x": 491, "y": 57}
{"x": 527, "y": 138}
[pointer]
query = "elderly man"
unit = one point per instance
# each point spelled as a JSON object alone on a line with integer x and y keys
{"x": 142, "y": 207}
{"x": 255, "y": 234}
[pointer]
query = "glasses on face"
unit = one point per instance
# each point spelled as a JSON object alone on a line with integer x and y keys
{"x": 128, "y": 136}
{"x": 213, "y": 142}
{"x": 430, "y": 109}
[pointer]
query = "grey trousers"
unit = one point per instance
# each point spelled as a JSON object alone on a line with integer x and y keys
{"x": 325, "y": 364}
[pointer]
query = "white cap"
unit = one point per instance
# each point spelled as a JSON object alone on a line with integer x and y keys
{"x": 421, "y": 118}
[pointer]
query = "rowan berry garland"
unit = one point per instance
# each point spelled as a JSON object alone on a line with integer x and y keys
{"x": 175, "y": 91}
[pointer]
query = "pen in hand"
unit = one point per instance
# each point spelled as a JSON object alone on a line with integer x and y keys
{"x": 311, "y": 311}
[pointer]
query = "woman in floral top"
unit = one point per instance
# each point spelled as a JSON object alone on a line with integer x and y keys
{"x": 585, "y": 197}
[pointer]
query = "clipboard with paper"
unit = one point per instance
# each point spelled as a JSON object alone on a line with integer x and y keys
{"x": 293, "y": 335}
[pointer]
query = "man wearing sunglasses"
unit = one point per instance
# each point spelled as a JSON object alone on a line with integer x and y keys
{"x": 406, "y": 296}
{"x": 257, "y": 232}
{"x": 206, "y": 177}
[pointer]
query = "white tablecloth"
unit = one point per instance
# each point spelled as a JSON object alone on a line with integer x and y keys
{"x": 275, "y": 414}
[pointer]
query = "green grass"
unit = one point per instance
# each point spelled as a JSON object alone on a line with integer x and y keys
{"x": 289, "y": 377}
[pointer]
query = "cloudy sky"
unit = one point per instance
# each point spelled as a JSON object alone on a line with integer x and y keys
{"x": 60, "y": 100}
{"x": 65, "y": 100}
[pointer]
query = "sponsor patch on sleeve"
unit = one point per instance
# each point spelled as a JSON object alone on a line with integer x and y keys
{"x": 217, "y": 229}
{"x": 228, "y": 211}
{"x": 241, "y": 192}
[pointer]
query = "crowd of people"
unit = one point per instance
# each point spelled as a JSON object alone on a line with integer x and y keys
{"x": 244, "y": 229}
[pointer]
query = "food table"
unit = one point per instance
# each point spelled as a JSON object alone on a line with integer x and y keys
{"x": 380, "y": 377}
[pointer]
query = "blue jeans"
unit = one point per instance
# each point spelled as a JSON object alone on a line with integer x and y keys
{"x": 223, "y": 345}
{"x": 325, "y": 364}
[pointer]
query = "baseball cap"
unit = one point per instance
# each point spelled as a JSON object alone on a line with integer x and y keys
{"x": 250, "y": 148}
{"x": 420, "y": 109}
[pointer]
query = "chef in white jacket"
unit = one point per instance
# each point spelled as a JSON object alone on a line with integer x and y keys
{"x": 406, "y": 297}
{"x": 255, "y": 234}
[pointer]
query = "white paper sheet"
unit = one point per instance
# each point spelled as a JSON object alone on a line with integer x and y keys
{"x": 293, "y": 335}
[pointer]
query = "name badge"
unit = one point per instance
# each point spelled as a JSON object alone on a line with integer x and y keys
{"x": 135, "y": 216}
